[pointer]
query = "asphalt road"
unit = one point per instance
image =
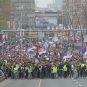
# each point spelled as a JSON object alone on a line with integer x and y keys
{"x": 45, "y": 83}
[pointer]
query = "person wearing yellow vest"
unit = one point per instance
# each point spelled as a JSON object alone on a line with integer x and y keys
{"x": 82, "y": 65}
{"x": 30, "y": 69}
{"x": 5, "y": 69}
{"x": 15, "y": 72}
{"x": 65, "y": 70}
{"x": 12, "y": 71}
{"x": 83, "y": 70}
{"x": 5, "y": 62}
{"x": 54, "y": 70}
{"x": 86, "y": 70}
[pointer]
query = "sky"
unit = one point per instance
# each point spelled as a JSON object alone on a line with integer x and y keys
{"x": 44, "y": 3}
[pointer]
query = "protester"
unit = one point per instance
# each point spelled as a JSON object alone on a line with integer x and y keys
{"x": 42, "y": 60}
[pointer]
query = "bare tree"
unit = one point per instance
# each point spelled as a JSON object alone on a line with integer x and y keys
{"x": 5, "y": 9}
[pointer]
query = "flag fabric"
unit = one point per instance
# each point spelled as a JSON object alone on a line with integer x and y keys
{"x": 82, "y": 50}
{"x": 31, "y": 48}
{"x": 45, "y": 44}
{"x": 71, "y": 36}
{"x": 67, "y": 55}
{"x": 85, "y": 52}
{"x": 41, "y": 50}
{"x": 4, "y": 37}
{"x": 85, "y": 55}
{"x": 55, "y": 39}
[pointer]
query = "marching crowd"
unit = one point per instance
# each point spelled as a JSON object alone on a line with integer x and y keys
{"x": 30, "y": 70}
{"x": 46, "y": 65}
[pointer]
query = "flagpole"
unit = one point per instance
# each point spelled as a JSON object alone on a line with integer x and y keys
{"x": 2, "y": 46}
{"x": 21, "y": 39}
{"x": 2, "y": 50}
{"x": 82, "y": 43}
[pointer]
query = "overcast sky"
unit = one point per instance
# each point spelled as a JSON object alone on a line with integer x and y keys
{"x": 44, "y": 3}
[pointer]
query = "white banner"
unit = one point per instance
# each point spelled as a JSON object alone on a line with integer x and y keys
{"x": 85, "y": 38}
{"x": 85, "y": 55}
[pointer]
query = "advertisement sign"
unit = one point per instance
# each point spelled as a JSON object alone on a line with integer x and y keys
{"x": 46, "y": 21}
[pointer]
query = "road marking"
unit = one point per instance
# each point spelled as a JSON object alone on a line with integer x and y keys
{"x": 38, "y": 83}
{"x": 74, "y": 80}
{"x": 79, "y": 85}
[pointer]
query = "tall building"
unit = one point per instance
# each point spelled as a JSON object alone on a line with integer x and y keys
{"x": 23, "y": 13}
{"x": 74, "y": 13}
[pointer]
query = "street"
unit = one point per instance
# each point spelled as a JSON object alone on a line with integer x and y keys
{"x": 45, "y": 83}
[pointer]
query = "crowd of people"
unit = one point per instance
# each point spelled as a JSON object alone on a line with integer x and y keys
{"x": 21, "y": 68}
{"x": 42, "y": 61}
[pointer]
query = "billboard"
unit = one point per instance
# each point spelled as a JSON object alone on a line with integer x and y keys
{"x": 46, "y": 21}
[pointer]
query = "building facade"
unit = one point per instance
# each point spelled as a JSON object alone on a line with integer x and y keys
{"x": 23, "y": 13}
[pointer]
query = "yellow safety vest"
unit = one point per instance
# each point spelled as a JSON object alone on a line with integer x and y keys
{"x": 54, "y": 69}
{"x": 65, "y": 68}
{"x": 82, "y": 65}
{"x": 5, "y": 62}
{"x": 15, "y": 70}
{"x": 30, "y": 69}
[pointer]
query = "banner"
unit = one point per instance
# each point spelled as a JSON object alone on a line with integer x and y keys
{"x": 85, "y": 38}
{"x": 41, "y": 51}
{"x": 71, "y": 36}
{"x": 4, "y": 37}
{"x": 85, "y": 55}
{"x": 76, "y": 51}
{"x": 70, "y": 49}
